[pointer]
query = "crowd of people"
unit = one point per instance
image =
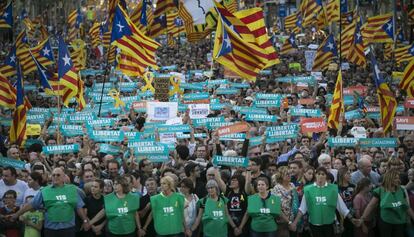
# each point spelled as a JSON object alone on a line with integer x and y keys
{"x": 300, "y": 186}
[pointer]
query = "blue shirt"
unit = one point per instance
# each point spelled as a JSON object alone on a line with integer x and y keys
{"x": 37, "y": 203}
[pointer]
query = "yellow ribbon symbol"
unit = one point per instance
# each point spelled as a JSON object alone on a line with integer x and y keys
{"x": 176, "y": 86}
{"x": 149, "y": 78}
{"x": 115, "y": 94}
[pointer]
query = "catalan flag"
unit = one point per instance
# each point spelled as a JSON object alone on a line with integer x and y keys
{"x": 337, "y": 105}
{"x": 165, "y": 6}
{"x": 294, "y": 22}
{"x": 333, "y": 11}
{"x": 232, "y": 51}
{"x": 130, "y": 40}
{"x": 379, "y": 29}
{"x": 348, "y": 17}
{"x": 80, "y": 99}
{"x": 388, "y": 51}
{"x": 95, "y": 34}
{"x": 129, "y": 65}
{"x": 254, "y": 20}
{"x": 325, "y": 53}
{"x": 406, "y": 82}
{"x": 48, "y": 80}
{"x": 6, "y": 18}
{"x": 9, "y": 67}
{"x": 29, "y": 26}
{"x": 347, "y": 39}
{"x": 404, "y": 54}
{"x": 309, "y": 10}
{"x": 356, "y": 54}
{"x": 289, "y": 45}
{"x": 388, "y": 103}
{"x": 143, "y": 16}
{"x": 18, "y": 127}
{"x": 231, "y": 5}
{"x": 75, "y": 20}
{"x": 159, "y": 26}
{"x": 67, "y": 73}
{"x": 7, "y": 93}
{"x": 411, "y": 16}
{"x": 175, "y": 26}
{"x": 42, "y": 52}
{"x": 44, "y": 34}
{"x": 78, "y": 54}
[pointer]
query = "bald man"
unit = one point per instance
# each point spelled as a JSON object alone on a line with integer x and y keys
{"x": 60, "y": 201}
{"x": 365, "y": 171}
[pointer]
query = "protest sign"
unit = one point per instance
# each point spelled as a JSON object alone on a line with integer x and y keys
{"x": 409, "y": 103}
{"x": 305, "y": 112}
{"x": 33, "y": 129}
{"x": 161, "y": 111}
{"x": 233, "y": 137}
{"x": 162, "y": 89}
{"x": 109, "y": 149}
{"x": 231, "y": 161}
{"x": 282, "y": 132}
{"x": 313, "y": 125}
{"x": 309, "y": 58}
{"x": 60, "y": 149}
{"x": 378, "y": 142}
{"x": 234, "y": 128}
{"x": 17, "y": 164}
{"x": 342, "y": 141}
{"x": 404, "y": 123}
{"x": 199, "y": 110}
{"x": 261, "y": 117}
{"x": 106, "y": 135}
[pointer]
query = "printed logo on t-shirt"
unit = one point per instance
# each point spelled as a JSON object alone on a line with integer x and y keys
{"x": 396, "y": 204}
{"x": 218, "y": 213}
{"x": 265, "y": 210}
{"x": 321, "y": 200}
{"x": 122, "y": 210}
{"x": 61, "y": 198}
{"x": 168, "y": 210}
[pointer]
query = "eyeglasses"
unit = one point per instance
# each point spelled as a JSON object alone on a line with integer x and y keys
{"x": 55, "y": 175}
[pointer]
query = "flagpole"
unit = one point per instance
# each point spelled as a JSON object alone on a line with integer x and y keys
{"x": 105, "y": 75}
{"x": 340, "y": 36}
{"x": 58, "y": 106}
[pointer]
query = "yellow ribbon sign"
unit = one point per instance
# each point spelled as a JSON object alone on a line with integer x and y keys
{"x": 115, "y": 94}
{"x": 149, "y": 78}
{"x": 176, "y": 86}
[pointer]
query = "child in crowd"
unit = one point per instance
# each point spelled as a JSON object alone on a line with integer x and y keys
{"x": 9, "y": 227}
{"x": 33, "y": 221}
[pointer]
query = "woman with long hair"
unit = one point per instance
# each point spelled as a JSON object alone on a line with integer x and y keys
{"x": 346, "y": 191}
{"x": 360, "y": 202}
{"x": 191, "y": 199}
{"x": 237, "y": 204}
{"x": 263, "y": 208}
{"x": 393, "y": 205}
{"x": 121, "y": 211}
{"x": 286, "y": 191}
{"x": 213, "y": 213}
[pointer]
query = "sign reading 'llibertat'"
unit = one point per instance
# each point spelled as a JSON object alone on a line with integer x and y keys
{"x": 231, "y": 161}
{"x": 342, "y": 141}
{"x": 6, "y": 162}
{"x": 61, "y": 149}
{"x": 283, "y": 132}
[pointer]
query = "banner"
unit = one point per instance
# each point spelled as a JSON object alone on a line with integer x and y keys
{"x": 109, "y": 149}
{"x": 305, "y": 112}
{"x": 342, "y": 141}
{"x": 252, "y": 110}
{"x": 234, "y": 128}
{"x": 404, "y": 123}
{"x": 378, "y": 142}
{"x": 283, "y": 132}
{"x": 261, "y": 117}
{"x": 191, "y": 86}
{"x": 204, "y": 121}
{"x": 100, "y": 122}
{"x": 234, "y": 161}
{"x": 161, "y": 111}
{"x": 313, "y": 125}
{"x": 227, "y": 91}
{"x": 267, "y": 103}
{"x": 61, "y": 149}
{"x": 81, "y": 118}
{"x": 264, "y": 96}
{"x": 233, "y": 137}
{"x": 409, "y": 103}
{"x": 174, "y": 128}
{"x": 106, "y": 135}
{"x": 150, "y": 148}
{"x": 71, "y": 130}
{"x": 199, "y": 110}
{"x": 196, "y": 96}
{"x": 17, "y": 164}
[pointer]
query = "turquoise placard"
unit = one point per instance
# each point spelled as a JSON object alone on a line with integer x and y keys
{"x": 305, "y": 112}
{"x": 155, "y": 149}
{"x": 233, "y": 137}
{"x": 69, "y": 130}
{"x": 36, "y": 118}
{"x": 106, "y": 135}
{"x": 240, "y": 85}
{"x": 81, "y": 118}
{"x": 378, "y": 142}
{"x": 196, "y": 96}
{"x": 304, "y": 79}
{"x": 261, "y": 117}
{"x": 266, "y": 72}
{"x": 348, "y": 100}
{"x": 255, "y": 141}
{"x": 174, "y": 128}
{"x": 204, "y": 121}
{"x": 229, "y": 91}
{"x": 217, "y": 82}
{"x": 186, "y": 135}
{"x": 191, "y": 86}
{"x": 353, "y": 114}
{"x": 7, "y": 162}
{"x": 267, "y": 103}
{"x": 100, "y": 122}
{"x": 219, "y": 106}
{"x": 264, "y": 96}
{"x": 170, "y": 67}
{"x": 283, "y": 131}
{"x": 61, "y": 149}
{"x": 252, "y": 110}
{"x": 215, "y": 125}
{"x": 342, "y": 141}
{"x": 234, "y": 161}
{"x": 109, "y": 149}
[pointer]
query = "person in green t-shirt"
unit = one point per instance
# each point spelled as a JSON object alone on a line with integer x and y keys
{"x": 213, "y": 212}
{"x": 263, "y": 208}
{"x": 321, "y": 200}
{"x": 167, "y": 211}
{"x": 121, "y": 210}
{"x": 393, "y": 204}
{"x": 33, "y": 221}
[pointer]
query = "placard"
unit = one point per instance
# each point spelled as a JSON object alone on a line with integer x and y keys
{"x": 234, "y": 128}
{"x": 33, "y": 129}
{"x": 283, "y": 132}
{"x": 199, "y": 110}
{"x": 313, "y": 125}
{"x": 60, "y": 149}
{"x": 235, "y": 161}
{"x": 161, "y": 111}
{"x": 342, "y": 141}
{"x": 378, "y": 142}
{"x": 409, "y": 103}
{"x": 6, "y": 162}
{"x": 162, "y": 89}
{"x": 404, "y": 123}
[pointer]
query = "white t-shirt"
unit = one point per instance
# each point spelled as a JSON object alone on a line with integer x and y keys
{"x": 20, "y": 187}
{"x": 30, "y": 192}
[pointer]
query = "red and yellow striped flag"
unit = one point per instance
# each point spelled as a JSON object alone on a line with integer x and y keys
{"x": 309, "y": 10}
{"x": 337, "y": 105}
{"x": 356, "y": 54}
{"x": 143, "y": 16}
{"x": 325, "y": 53}
{"x": 379, "y": 29}
{"x": 18, "y": 127}
{"x": 406, "y": 82}
{"x": 404, "y": 54}
{"x": 333, "y": 11}
{"x": 7, "y": 93}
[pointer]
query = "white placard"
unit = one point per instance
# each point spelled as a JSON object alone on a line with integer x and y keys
{"x": 199, "y": 110}
{"x": 309, "y": 57}
{"x": 161, "y": 111}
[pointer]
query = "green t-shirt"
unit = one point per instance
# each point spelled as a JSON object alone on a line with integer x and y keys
{"x": 214, "y": 216}
{"x": 34, "y": 217}
{"x": 393, "y": 206}
{"x": 168, "y": 213}
{"x": 263, "y": 212}
{"x": 121, "y": 213}
{"x": 321, "y": 203}
{"x": 60, "y": 202}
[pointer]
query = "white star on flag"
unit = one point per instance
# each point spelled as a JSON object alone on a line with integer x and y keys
{"x": 377, "y": 71}
{"x": 120, "y": 26}
{"x": 46, "y": 51}
{"x": 389, "y": 26}
{"x": 330, "y": 45}
{"x": 227, "y": 42}
{"x": 412, "y": 50}
{"x": 67, "y": 60}
{"x": 358, "y": 35}
{"x": 5, "y": 15}
{"x": 13, "y": 58}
